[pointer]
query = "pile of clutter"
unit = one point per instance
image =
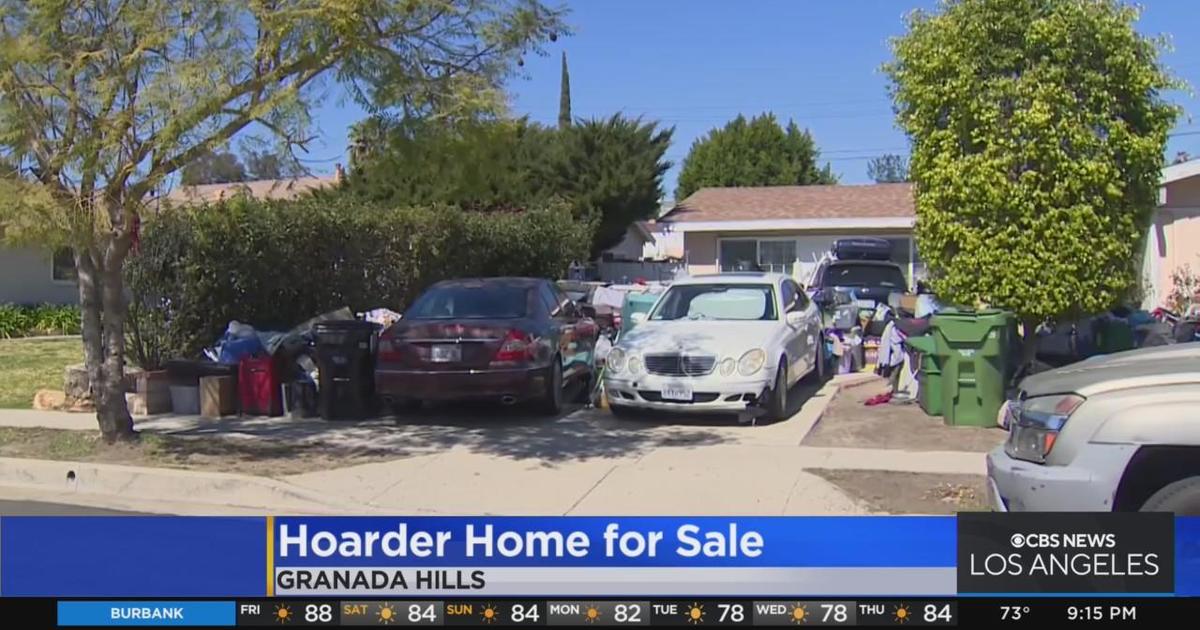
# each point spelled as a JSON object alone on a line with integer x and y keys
{"x": 321, "y": 367}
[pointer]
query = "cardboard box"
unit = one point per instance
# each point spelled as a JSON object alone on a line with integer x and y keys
{"x": 218, "y": 396}
{"x": 908, "y": 303}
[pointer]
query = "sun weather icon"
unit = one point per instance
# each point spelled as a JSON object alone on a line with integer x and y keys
{"x": 799, "y": 614}
{"x": 695, "y": 613}
{"x": 283, "y": 613}
{"x": 387, "y": 614}
{"x": 490, "y": 613}
{"x": 592, "y": 614}
{"x": 901, "y": 614}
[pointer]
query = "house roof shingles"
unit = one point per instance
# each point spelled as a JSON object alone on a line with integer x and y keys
{"x": 795, "y": 202}
{"x": 258, "y": 189}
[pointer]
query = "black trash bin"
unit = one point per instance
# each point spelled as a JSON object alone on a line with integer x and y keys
{"x": 346, "y": 361}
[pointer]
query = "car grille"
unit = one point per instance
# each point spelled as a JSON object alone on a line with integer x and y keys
{"x": 680, "y": 364}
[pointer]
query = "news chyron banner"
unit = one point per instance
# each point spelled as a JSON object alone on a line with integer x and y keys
{"x": 438, "y": 557}
{"x": 610, "y": 557}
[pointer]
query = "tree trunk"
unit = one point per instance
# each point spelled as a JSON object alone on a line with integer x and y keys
{"x": 102, "y": 304}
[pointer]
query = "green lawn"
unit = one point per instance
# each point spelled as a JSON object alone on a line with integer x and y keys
{"x": 27, "y": 365}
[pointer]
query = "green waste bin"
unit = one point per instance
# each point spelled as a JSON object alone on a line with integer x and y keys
{"x": 929, "y": 376}
{"x": 973, "y": 348}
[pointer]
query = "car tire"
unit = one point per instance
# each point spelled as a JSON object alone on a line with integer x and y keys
{"x": 587, "y": 384}
{"x": 624, "y": 412}
{"x": 1181, "y": 497}
{"x": 551, "y": 403}
{"x": 777, "y": 404}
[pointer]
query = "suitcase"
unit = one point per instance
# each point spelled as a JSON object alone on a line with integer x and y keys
{"x": 258, "y": 387}
{"x": 862, "y": 248}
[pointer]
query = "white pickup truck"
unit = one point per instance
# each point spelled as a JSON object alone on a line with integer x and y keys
{"x": 1114, "y": 433}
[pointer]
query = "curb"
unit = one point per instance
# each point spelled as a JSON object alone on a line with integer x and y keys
{"x": 198, "y": 489}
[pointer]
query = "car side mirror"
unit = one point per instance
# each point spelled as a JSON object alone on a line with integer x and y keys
{"x": 795, "y": 319}
{"x": 638, "y": 318}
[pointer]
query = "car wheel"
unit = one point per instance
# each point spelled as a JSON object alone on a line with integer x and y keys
{"x": 552, "y": 398}
{"x": 1181, "y": 497}
{"x": 621, "y": 411}
{"x": 777, "y": 404}
{"x": 587, "y": 384}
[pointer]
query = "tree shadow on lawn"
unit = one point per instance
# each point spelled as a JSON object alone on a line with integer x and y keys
{"x": 487, "y": 428}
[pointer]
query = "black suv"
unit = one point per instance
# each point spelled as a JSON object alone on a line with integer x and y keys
{"x": 867, "y": 279}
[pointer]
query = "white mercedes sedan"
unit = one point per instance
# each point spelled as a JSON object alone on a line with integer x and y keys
{"x": 724, "y": 343}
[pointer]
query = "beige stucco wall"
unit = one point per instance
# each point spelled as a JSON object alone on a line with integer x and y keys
{"x": 1174, "y": 239}
{"x": 702, "y": 248}
{"x": 700, "y": 252}
{"x": 26, "y": 278}
{"x": 1184, "y": 193}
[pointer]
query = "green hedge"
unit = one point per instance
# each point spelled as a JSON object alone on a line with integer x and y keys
{"x": 20, "y": 320}
{"x": 275, "y": 264}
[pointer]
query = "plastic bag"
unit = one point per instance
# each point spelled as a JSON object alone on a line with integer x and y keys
{"x": 603, "y": 347}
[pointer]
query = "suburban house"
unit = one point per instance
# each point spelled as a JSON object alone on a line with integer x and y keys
{"x": 788, "y": 228}
{"x": 1174, "y": 239}
{"x": 31, "y": 275}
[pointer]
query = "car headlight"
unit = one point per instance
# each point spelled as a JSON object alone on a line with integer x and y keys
{"x": 1035, "y": 425}
{"x": 615, "y": 361}
{"x": 728, "y": 365}
{"x": 634, "y": 365}
{"x": 751, "y": 362}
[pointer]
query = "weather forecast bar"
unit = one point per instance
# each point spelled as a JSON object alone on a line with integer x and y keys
{"x": 967, "y": 612}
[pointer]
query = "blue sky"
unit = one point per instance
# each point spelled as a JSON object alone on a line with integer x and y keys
{"x": 694, "y": 64}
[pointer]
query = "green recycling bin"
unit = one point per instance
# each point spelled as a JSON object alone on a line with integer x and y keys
{"x": 929, "y": 388}
{"x": 973, "y": 348}
{"x": 635, "y": 303}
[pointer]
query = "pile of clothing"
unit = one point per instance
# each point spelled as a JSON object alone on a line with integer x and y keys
{"x": 898, "y": 362}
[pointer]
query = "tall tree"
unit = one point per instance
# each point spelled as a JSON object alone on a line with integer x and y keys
{"x": 888, "y": 168}
{"x": 102, "y": 100}
{"x": 269, "y": 165}
{"x": 758, "y": 152}
{"x": 564, "y": 95}
{"x": 609, "y": 170}
{"x": 213, "y": 167}
{"x": 1038, "y": 130}
{"x": 612, "y": 172}
{"x": 476, "y": 164}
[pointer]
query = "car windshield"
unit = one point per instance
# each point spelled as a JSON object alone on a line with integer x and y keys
{"x": 717, "y": 302}
{"x": 471, "y": 302}
{"x": 851, "y": 275}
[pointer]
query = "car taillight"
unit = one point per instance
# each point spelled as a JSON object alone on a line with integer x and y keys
{"x": 388, "y": 352}
{"x": 516, "y": 347}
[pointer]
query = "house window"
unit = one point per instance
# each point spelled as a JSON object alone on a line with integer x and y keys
{"x": 777, "y": 255}
{"x": 63, "y": 265}
{"x": 739, "y": 255}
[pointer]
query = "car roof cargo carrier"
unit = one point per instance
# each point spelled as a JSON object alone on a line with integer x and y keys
{"x": 862, "y": 248}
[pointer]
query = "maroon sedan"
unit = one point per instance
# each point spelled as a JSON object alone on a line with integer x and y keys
{"x": 509, "y": 339}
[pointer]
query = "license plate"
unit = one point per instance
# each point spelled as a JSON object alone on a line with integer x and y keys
{"x": 677, "y": 391}
{"x": 445, "y": 353}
